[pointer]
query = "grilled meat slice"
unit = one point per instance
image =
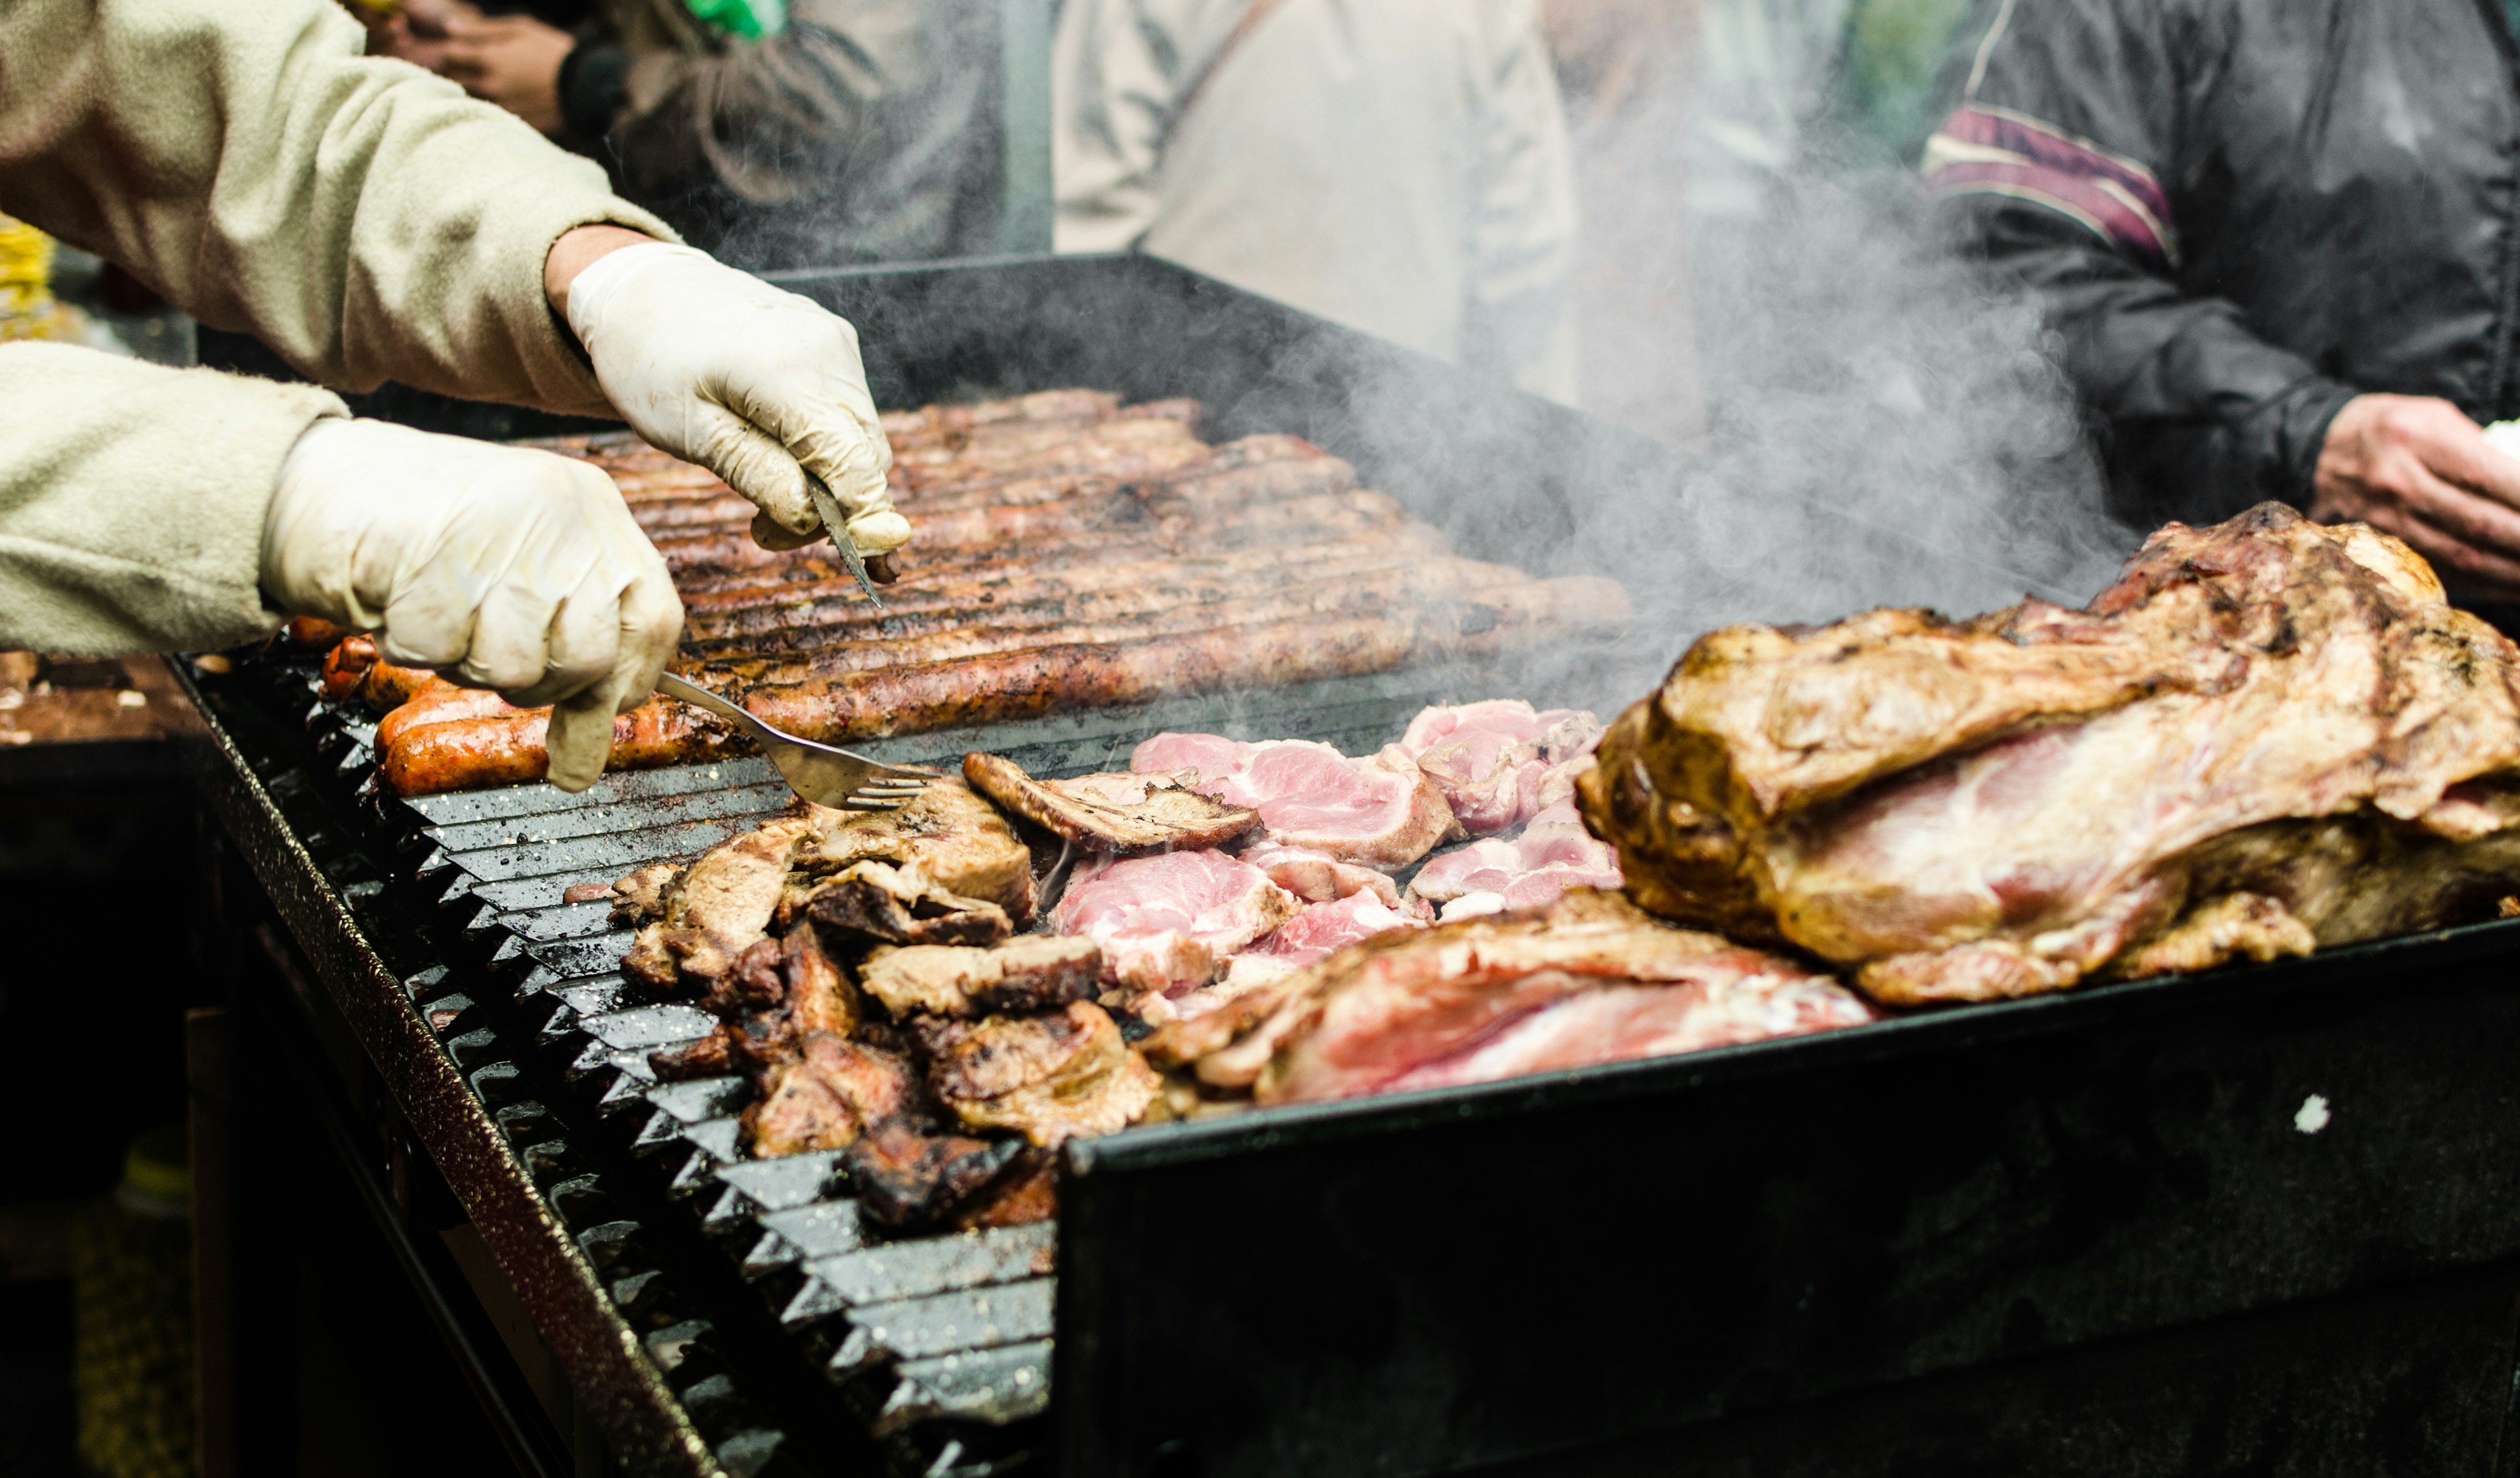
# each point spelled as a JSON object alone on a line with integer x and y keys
{"x": 1418, "y": 1008}
{"x": 1381, "y": 810}
{"x": 827, "y": 1095}
{"x": 710, "y": 1056}
{"x": 1165, "y": 923}
{"x": 718, "y": 908}
{"x": 946, "y": 840}
{"x": 907, "y": 1178}
{"x": 1028, "y": 972}
{"x": 873, "y": 900}
{"x": 1125, "y": 814}
{"x": 1050, "y": 1076}
{"x": 1026, "y": 1191}
{"x": 640, "y": 895}
{"x": 2035, "y": 804}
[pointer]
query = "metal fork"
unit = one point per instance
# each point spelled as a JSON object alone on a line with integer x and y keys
{"x": 820, "y": 773}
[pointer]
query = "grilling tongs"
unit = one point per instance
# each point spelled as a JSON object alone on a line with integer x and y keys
{"x": 819, "y": 773}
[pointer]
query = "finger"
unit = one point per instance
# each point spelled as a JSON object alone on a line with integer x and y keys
{"x": 2469, "y": 518}
{"x": 755, "y": 465}
{"x": 2453, "y": 448}
{"x": 651, "y": 623}
{"x": 510, "y": 648}
{"x": 584, "y": 646}
{"x": 578, "y": 741}
{"x": 770, "y": 534}
{"x": 429, "y": 623}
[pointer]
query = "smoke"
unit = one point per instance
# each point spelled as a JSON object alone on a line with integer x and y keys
{"x": 1854, "y": 416}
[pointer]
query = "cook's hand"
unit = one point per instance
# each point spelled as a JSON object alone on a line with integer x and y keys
{"x": 517, "y": 569}
{"x": 512, "y": 60}
{"x": 2418, "y": 468}
{"x": 414, "y": 30}
{"x": 762, "y": 387}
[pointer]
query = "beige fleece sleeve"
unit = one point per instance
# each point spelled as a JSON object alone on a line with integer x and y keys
{"x": 365, "y": 219}
{"x": 132, "y": 497}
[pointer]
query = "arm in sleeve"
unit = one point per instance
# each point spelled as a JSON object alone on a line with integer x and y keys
{"x": 774, "y": 119}
{"x": 132, "y": 500}
{"x": 2051, "y": 166}
{"x": 1519, "y": 323}
{"x": 365, "y": 219}
{"x": 1120, "y": 72}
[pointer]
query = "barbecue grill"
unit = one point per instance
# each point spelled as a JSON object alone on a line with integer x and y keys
{"x": 2117, "y": 1215}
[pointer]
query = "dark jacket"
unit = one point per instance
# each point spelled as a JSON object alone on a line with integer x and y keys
{"x": 2240, "y": 214}
{"x": 867, "y": 130}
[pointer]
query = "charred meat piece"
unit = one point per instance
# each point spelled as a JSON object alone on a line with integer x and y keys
{"x": 1967, "y": 811}
{"x": 827, "y": 1096}
{"x": 640, "y": 896}
{"x": 1126, "y": 814}
{"x": 1381, "y": 810}
{"x": 906, "y": 1178}
{"x": 1027, "y": 1191}
{"x": 720, "y": 907}
{"x": 1050, "y": 1076}
{"x": 1029, "y": 972}
{"x": 708, "y": 1057}
{"x": 946, "y": 840}
{"x": 873, "y": 900}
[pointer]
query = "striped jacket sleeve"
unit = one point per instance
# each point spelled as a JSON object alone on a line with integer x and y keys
{"x": 2061, "y": 163}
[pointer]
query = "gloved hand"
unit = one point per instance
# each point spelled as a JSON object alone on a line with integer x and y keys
{"x": 759, "y": 386}
{"x": 515, "y": 569}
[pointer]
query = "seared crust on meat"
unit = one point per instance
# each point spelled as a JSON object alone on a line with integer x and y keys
{"x": 905, "y": 1178}
{"x": 945, "y": 840}
{"x": 827, "y": 1095}
{"x": 1028, "y": 972}
{"x": 875, "y": 901}
{"x": 1123, "y": 813}
{"x": 1052, "y": 1076}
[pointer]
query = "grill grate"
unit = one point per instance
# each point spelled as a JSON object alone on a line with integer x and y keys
{"x": 938, "y": 1348}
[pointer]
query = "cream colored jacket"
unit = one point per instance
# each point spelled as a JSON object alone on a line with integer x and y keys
{"x": 362, "y": 217}
{"x": 1401, "y": 166}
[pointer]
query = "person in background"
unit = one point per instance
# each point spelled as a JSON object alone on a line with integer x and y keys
{"x": 369, "y": 222}
{"x": 777, "y": 133}
{"x": 1400, "y": 167}
{"x": 2276, "y": 237}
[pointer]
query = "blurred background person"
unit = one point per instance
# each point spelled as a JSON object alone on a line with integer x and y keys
{"x": 2280, "y": 269}
{"x": 773, "y": 133}
{"x": 1400, "y": 167}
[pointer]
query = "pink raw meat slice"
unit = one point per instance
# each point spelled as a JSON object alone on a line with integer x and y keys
{"x": 1322, "y": 930}
{"x": 1166, "y": 921}
{"x": 1382, "y": 811}
{"x": 1553, "y": 854}
{"x": 1317, "y": 876}
{"x": 1621, "y": 1023}
{"x": 1501, "y": 761}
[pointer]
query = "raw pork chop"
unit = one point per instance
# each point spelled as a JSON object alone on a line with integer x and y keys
{"x": 1501, "y": 762}
{"x": 1165, "y": 923}
{"x": 1553, "y": 854}
{"x": 1382, "y": 811}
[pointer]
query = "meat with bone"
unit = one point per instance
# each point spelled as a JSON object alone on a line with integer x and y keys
{"x": 1552, "y": 854}
{"x": 1499, "y": 763}
{"x": 1475, "y": 1000}
{"x": 1123, "y": 813}
{"x": 1050, "y": 1076}
{"x": 1381, "y": 810}
{"x": 2261, "y": 727}
{"x": 1166, "y": 924}
{"x": 1028, "y": 972}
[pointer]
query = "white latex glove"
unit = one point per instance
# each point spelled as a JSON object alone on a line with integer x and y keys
{"x": 517, "y": 569}
{"x": 759, "y": 386}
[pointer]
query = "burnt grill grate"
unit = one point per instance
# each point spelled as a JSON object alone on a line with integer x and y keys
{"x": 938, "y": 1348}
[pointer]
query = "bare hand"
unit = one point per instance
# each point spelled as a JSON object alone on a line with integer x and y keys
{"x": 415, "y": 31}
{"x": 512, "y": 60}
{"x": 2418, "y": 468}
